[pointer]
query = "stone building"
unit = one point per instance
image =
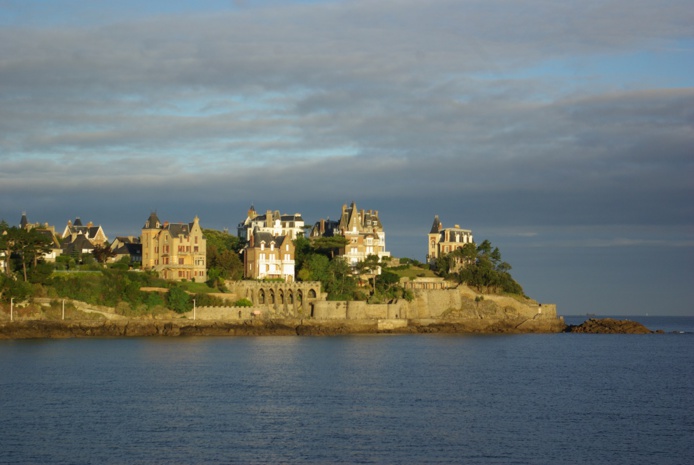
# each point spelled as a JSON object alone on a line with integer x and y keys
{"x": 362, "y": 229}
{"x": 177, "y": 251}
{"x": 443, "y": 241}
{"x": 269, "y": 257}
{"x": 94, "y": 234}
{"x": 271, "y": 222}
{"x": 126, "y": 246}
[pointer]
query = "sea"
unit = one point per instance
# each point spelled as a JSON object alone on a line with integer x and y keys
{"x": 360, "y": 399}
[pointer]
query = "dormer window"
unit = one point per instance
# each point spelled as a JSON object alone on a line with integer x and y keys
{"x": 262, "y": 245}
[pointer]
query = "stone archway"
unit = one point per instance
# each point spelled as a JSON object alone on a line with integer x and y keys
{"x": 261, "y": 297}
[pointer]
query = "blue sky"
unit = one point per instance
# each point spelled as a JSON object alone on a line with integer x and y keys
{"x": 563, "y": 132}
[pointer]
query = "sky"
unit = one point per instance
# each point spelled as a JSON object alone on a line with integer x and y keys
{"x": 563, "y": 132}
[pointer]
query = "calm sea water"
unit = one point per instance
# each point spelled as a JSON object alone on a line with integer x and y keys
{"x": 539, "y": 399}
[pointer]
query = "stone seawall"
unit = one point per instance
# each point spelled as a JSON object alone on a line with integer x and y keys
{"x": 33, "y": 329}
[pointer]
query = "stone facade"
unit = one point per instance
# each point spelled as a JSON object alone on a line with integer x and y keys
{"x": 443, "y": 241}
{"x": 269, "y": 257}
{"x": 177, "y": 251}
{"x": 362, "y": 229}
{"x": 273, "y": 223}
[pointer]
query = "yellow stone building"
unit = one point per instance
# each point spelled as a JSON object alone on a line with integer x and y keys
{"x": 177, "y": 251}
{"x": 269, "y": 257}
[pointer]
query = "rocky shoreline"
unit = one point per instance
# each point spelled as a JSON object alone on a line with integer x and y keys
{"x": 610, "y": 326}
{"x": 51, "y": 329}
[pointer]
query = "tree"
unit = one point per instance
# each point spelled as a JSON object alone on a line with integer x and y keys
{"x": 26, "y": 246}
{"x": 339, "y": 282}
{"x": 223, "y": 260}
{"x": 178, "y": 300}
{"x": 482, "y": 268}
{"x": 102, "y": 252}
{"x": 302, "y": 250}
{"x": 370, "y": 267}
{"x": 329, "y": 246}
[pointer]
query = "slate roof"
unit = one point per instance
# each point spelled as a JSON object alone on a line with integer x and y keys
{"x": 79, "y": 244}
{"x": 179, "y": 229}
{"x": 152, "y": 222}
{"x": 437, "y": 226}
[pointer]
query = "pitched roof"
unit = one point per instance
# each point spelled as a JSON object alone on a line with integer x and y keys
{"x": 178, "y": 229}
{"x": 79, "y": 244}
{"x": 437, "y": 226}
{"x": 152, "y": 222}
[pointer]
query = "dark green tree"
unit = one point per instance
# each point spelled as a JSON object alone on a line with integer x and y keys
{"x": 178, "y": 300}
{"x": 369, "y": 267}
{"x": 223, "y": 259}
{"x": 26, "y": 247}
{"x": 482, "y": 268}
{"x": 102, "y": 252}
{"x": 329, "y": 246}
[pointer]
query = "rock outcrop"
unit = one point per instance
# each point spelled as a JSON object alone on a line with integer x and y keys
{"x": 609, "y": 326}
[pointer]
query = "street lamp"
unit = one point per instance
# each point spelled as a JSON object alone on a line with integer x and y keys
{"x": 11, "y": 308}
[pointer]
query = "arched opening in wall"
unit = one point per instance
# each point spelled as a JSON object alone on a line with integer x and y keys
{"x": 261, "y": 297}
{"x": 311, "y": 294}
{"x": 299, "y": 296}
{"x": 239, "y": 314}
{"x": 311, "y": 308}
{"x": 290, "y": 298}
{"x": 272, "y": 297}
{"x": 282, "y": 297}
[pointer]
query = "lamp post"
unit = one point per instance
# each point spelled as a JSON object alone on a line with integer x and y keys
{"x": 193, "y": 309}
{"x": 63, "y": 309}
{"x": 11, "y": 308}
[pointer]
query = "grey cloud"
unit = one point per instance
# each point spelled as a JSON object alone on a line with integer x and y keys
{"x": 412, "y": 108}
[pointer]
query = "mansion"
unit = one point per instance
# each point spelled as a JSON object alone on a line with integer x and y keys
{"x": 274, "y": 223}
{"x": 362, "y": 229}
{"x": 443, "y": 241}
{"x": 177, "y": 251}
